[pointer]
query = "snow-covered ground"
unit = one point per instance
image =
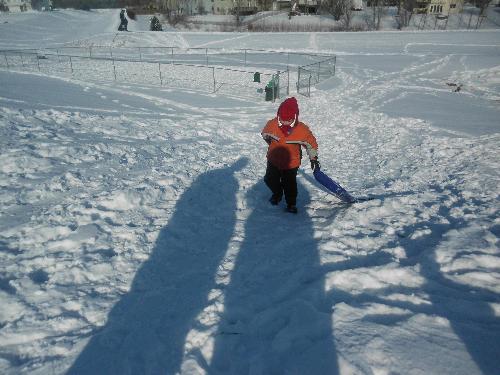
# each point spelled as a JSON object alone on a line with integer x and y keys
{"x": 136, "y": 236}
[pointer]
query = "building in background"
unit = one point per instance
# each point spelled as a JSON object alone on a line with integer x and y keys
{"x": 15, "y": 5}
{"x": 444, "y": 7}
{"x": 307, "y": 6}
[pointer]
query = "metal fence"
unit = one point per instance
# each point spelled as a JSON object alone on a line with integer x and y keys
{"x": 249, "y": 73}
{"x": 202, "y": 56}
{"x": 312, "y": 74}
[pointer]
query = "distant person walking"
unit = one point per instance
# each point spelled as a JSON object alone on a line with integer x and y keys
{"x": 123, "y": 21}
{"x": 286, "y": 136}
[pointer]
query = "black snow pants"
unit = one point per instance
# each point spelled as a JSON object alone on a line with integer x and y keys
{"x": 282, "y": 181}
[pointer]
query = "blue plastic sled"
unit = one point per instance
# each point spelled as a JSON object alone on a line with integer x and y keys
{"x": 333, "y": 187}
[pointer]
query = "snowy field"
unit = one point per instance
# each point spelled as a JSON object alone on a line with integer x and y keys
{"x": 136, "y": 236}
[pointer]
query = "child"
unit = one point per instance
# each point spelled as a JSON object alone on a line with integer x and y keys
{"x": 285, "y": 135}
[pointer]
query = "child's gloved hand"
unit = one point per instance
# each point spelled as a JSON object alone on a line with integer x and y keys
{"x": 315, "y": 164}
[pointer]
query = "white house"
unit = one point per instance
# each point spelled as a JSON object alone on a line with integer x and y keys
{"x": 15, "y": 5}
{"x": 444, "y": 7}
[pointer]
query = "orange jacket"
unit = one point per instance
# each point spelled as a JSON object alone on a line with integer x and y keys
{"x": 284, "y": 151}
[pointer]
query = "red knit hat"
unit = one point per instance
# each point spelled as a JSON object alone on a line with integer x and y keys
{"x": 288, "y": 110}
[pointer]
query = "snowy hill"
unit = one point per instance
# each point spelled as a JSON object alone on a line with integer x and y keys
{"x": 136, "y": 236}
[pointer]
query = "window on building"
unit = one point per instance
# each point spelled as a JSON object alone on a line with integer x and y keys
{"x": 436, "y": 9}
{"x": 453, "y": 6}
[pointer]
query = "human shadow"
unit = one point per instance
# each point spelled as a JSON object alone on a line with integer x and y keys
{"x": 467, "y": 308}
{"x": 472, "y": 319}
{"x": 276, "y": 319}
{"x": 146, "y": 330}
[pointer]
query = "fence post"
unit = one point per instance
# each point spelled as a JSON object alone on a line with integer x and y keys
{"x": 288, "y": 83}
{"x": 6, "y": 60}
{"x": 245, "y": 57}
{"x": 206, "y": 54}
{"x": 298, "y": 79}
{"x": 309, "y": 87}
{"x": 22, "y": 61}
{"x": 213, "y": 74}
{"x": 319, "y": 71}
{"x": 159, "y": 70}
{"x": 90, "y": 51}
{"x": 276, "y": 83}
{"x": 279, "y": 84}
{"x": 71, "y": 65}
{"x": 38, "y": 62}
{"x": 114, "y": 69}
{"x": 140, "y": 54}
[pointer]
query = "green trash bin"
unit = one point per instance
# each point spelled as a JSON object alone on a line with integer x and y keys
{"x": 271, "y": 90}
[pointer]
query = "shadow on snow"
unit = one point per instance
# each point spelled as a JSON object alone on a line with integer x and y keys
{"x": 146, "y": 330}
{"x": 276, "y": 317}
{"x": 467, "y": 308}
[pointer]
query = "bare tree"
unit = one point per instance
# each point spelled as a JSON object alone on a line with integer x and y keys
{"x": 482, "y": 5}
{"x": 238, "y": 4}
{"x": 341, "y": 10}
{"x": 201, "y": 7}
{"x": 333, "y": 7}
{"x": 347, "y": 14}
{"x": 264, "y": 4}
{"x": 405, "y": 12}
{"x": 378, "y": 11}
